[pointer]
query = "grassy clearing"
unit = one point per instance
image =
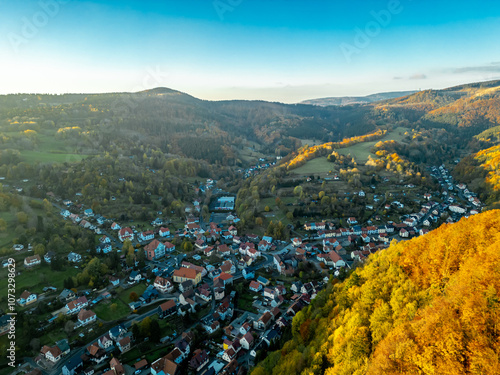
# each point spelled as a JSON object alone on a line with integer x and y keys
{"x": 36, "y": 279}
{"x": 310, "y": 142}
{"x": 103, "y": 310}
{"x": 315, "y": 166}
{"x": 124, "y": 294}
{"x": 361, "y": 151}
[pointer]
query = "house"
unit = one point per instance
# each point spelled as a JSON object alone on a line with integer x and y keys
{"x": 228, "y": 267}
{"x": 146, "y": 236}
{"x": 32, "y": 261}
{"x": 134, "y": 276}
{"x": 268, "y": 293}
{"x": 264, "y": 246}
{"x": 27, "y": 298}
{"x": 74, "y": 257}
{"x": 204, "y": 292}
{"x": 124, "y": 344}
{"x": 164, "y": 366}
{"x": 75, "y": 306}
{"x": 49, "y": 256}
{"x": 263, "y": 322}
{"x": 154, "y": 250}
{"x": 219, "y": 293}
{"x": 263, "y": 280}
{"x": 226, "y": 278}
{"x": 73, "y": 366}
{"x": 247, "y": 273}
{"x": 115, "y": 281}
{"x": 149, "y": 295}
{"x": 352, "y": 221}
{"x": 96, "y": 354}
{"x": 66, "y": 295}
{"x": 199, "y": 360}
{"x": 163, "y": 285}
{"x": 169, "y": 247}
{"x": 199, "y": 269}
{"x": 104, "y": 248}
{"x": 245, "y": 327}
{"x": 315, "y": 226}
{"x": 116, "y": 367}
{"x": 255, "y": 286}
{"x": 223, "y": 250}
{"x": 86, "y": 317}
{"x": 296, "y": 241}
{"x": 117, "y": 332}
{"x": 105, "y": 341}
{"x": 164, "y": 232}
{"x": 125, "y": 234}
{"x": 115, "y": 226}
{"x": 333, "y": 259}
{"x": 52, "y": 354}
{"x": 211, "y": 328}
{"x": 88, "y": 212}
{"x": 104, "y": 239}
{"x": 141, "y": 365}
{"x": 247, "y": 341}
{"x": 232, "y": 230}
{"x": 63, "y": 345}
{"x": 166, "y": 309}
{"x": 182, "y": 274}
{"x": 187, "y": 295}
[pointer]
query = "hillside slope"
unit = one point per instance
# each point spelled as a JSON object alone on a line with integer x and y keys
{"x": 426, "y": 306}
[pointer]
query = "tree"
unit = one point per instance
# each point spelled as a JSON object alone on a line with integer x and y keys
{"x": 155, "y": 331}
{"x": 267, "y": 209}
{"x": 298, "y": 191}
{"x": 39, "y": 249}
{"x": 35, "y": 345}
{"x": 133, "y": 296}
{"x": 69, "y": 327}
{"x": 146, "y": 327}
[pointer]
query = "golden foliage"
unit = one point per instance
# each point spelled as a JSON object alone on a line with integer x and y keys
{"x": 426, "y": 306}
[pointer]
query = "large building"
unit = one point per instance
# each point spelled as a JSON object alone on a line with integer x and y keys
{"x": 184, "y": 274}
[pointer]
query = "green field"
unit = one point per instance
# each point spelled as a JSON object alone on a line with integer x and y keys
{"x": 314, "y": 166}
{"x": 36, "y": 279}
{"x": 124, "y": 294}
{"x": 361, "y": 151}
{"x": 103, "y": 310}
{"x": 50, "y": 149}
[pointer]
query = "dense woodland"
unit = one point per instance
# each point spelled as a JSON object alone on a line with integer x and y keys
{"x": 429, "y": 305}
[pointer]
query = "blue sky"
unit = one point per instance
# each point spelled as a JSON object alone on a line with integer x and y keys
{"x": 247, "y": 49}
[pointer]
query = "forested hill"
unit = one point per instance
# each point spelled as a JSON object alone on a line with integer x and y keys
{"x": 426, "y": 306}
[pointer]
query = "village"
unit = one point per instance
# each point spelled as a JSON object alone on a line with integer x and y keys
{"x": 235, "y": 293}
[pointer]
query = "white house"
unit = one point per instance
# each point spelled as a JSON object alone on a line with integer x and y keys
{"x": 26, "y": 298}
{"x": 32, "y": 261}
{"x": 74, "y": 257}
{"x": 86, "y": 317}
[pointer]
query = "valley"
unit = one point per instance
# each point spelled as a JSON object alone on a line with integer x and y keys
{"x": 235, "y": 228}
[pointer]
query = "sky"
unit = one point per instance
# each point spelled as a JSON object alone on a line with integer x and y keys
{"x": 275, "y": 50}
